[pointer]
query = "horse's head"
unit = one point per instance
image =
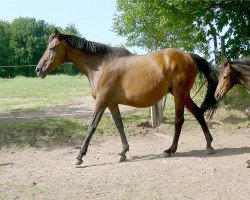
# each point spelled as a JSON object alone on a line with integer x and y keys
{"x": 226, "y": 80}
{"x": 53, "y": 57}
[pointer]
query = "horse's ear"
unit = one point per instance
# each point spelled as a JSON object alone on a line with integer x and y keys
{"x": 57, "y": 33}
{"x": 228, "y": 60}
{"x": 228, "y": 63}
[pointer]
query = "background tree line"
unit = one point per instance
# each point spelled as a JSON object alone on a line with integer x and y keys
{"x": 152, "y": 25}
{"x": 185, "y": 24}
{"x": 23, "y": 41}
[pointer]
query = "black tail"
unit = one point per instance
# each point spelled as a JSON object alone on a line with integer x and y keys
{"x": 209, "y": 72}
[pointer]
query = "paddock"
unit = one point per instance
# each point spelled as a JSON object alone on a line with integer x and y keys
{"x": 39, "y": 165}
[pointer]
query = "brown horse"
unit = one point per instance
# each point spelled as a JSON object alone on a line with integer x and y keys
{"x": 233, "y": 72}
{"x": 118, "y": 77}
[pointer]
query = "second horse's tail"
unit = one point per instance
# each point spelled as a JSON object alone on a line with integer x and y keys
{"x": 209, "y": 72}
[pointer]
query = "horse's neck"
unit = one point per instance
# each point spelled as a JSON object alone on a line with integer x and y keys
{"x": 244, "y": 81}
{"x": 89, "y": 64}
{"x": 244, "y": 77}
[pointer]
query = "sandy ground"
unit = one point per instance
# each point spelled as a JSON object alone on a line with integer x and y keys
{"x": 31, "y": 173}
{"x": 48, "y": 173}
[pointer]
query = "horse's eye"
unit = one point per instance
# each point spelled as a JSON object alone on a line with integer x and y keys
{"x": 51, "y": 48}
{"x": 225, "y": 77}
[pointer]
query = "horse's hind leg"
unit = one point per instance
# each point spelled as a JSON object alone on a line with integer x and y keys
{"x": 179, "y": 120}
{"x": 99, "y": 110}
{"x": 114, "y": 109}
{"x": 198, "y": 114}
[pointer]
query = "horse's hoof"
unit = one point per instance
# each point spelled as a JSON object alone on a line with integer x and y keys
{"x": 122, "y": 158}
{"x": 166, "y": 155}
{"x": 78, "y": 161}
{"x": 209, "y": 151}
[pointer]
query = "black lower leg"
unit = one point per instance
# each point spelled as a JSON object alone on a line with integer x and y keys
{"x": 84, "y": 147}
{"x": 178, "y": 125}
{"x": 118, "y": 122}
{"x": 91, "y": 129}
{"x": 198, "y": 114}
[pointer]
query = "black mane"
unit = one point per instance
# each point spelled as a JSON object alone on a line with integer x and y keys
{"x": 91, "y": 47}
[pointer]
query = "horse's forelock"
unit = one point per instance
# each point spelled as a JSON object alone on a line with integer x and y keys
{"x": 51, "y": 37}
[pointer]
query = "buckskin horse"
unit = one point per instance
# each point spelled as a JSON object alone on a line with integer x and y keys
{"x": 232, "y": 73}
{"x": 118, "y": 77}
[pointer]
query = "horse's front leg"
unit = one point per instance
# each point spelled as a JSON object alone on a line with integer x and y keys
{"x": 99, "y": 110}
{"x": 114, "y": 109}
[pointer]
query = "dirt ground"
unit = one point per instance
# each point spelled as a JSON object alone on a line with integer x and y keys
{"x": 49, "y": 173}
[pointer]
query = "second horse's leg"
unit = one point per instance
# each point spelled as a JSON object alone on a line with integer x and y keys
{"x": 114, "y": 109}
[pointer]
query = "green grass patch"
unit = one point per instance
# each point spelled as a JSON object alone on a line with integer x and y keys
{"x": 26, "y": 93}
{"x": 40, "y": 133}
{"x": 237, "y": 98}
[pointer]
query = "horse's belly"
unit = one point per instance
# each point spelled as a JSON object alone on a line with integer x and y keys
{"x": 146, "y": 93}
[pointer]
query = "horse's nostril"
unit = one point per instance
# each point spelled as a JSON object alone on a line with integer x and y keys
{"x": 37, "y": 69}
{"x": 217, "y": 96}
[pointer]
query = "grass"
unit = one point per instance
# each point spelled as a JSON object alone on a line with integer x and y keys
{"x": 40, "y": 133}
{"x": 26, "y": 93}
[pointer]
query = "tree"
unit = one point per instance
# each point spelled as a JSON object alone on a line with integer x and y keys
{"x": 5, "y": 52}
{"x": 28, "y": 39}
{"x": 71, "y": 29}
{"x": 23, "y": 41}
{"x": 183, "y": 24}
{"x": 4, "y": 42}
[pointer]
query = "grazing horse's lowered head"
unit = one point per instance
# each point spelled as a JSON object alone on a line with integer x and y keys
{"x": 226, "y": 80}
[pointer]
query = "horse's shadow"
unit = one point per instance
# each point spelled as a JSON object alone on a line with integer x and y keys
{"x": 218, "y": 152}
{"x": 194, "y": 153}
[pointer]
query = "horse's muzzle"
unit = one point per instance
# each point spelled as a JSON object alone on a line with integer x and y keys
{"x": 40, "y": 72}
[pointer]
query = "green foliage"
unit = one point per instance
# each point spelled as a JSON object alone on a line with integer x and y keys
{"x": 4, "y": 42}
{"x": 23, "y": 42}
{"x": 237, "y": 98}
{"x": 28, "y": 39}
{"x": 71, "y": 29}
{"x": 184, "y": 24}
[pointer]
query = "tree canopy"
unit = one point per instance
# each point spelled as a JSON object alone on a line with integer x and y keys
{"x": 23, "y": 41}
{"x": 184, "y": 24}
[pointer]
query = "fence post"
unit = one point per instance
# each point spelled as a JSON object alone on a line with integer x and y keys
{"x": 157, "y": 114}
